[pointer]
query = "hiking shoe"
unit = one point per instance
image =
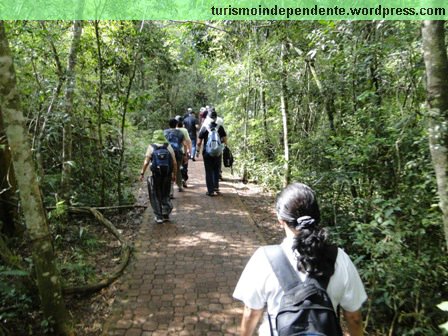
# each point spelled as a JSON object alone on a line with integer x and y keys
{"x": 209, "y": 194}
{"x": 158, "y": 220}
{"x": 166, "y": 218}
{"x": 184, "y": 184}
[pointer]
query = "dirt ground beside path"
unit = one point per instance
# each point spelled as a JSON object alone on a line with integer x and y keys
{"x": 261, "y": 206}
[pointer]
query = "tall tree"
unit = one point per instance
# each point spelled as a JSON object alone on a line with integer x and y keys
{"x": 132, "y": 72}
{"x": 285, "y": 112}
{"x": 48, "y": 280}
{"x": 436, "y": 62}
{"x": 41, "y": 120}
{"x": 69, "y": 95}
{"x": 99, "y": 109}
{"x": 8, "y": 201}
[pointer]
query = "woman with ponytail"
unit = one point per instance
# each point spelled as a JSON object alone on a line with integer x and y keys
{"x": 307, "y": 248}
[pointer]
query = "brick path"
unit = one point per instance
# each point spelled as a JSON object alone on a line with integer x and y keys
{"x": 183, "y": 273}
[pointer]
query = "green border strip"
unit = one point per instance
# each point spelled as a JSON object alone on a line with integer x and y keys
{"x": 223, "y": 10}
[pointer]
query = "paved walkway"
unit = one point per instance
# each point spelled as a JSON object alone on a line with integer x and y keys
{"x": 183, "y": 273}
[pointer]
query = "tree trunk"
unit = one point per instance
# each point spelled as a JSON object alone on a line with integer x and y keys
{"x": 67, "y": 129}
{"x": 263, "y": 110}
{"x": 436, "y": 62}
{"x": 245, "y": 173}
{"x": 284, "y": 110}
{"x": 268, "y": 150}
{"x": 123, "y": 123}
{"x": 40, "y": 133}
{"x": 48, "y": 280}
{"x": 100, "y": 115}
{"x": 331, "y": 110}
{"x": 8, "y": 199}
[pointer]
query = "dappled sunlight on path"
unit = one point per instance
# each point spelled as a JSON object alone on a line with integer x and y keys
{"x": 183, "y": 272}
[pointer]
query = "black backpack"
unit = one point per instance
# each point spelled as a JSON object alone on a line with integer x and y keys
{"x": 175, "y": 138}
{"x": 305, "y": 308}
{"x": 227, "y": 158}
{"x": 161, "y": 162}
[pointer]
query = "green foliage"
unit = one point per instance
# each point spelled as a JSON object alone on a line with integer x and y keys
{"x": 15, "y": 300}
{"x": 356, "y": 135}
{"x": 78, "y": 271}
{"x": 60, "y": 212}
{"x": 47, "y": 326}
{"x": 77, "y": 247}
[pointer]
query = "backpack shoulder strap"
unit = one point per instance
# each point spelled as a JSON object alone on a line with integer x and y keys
{"x": 285, "y": 273}
{"x": 154, "y": 148}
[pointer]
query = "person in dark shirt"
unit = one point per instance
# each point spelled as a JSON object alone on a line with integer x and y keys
{"x": 191, "y": 123}
{"x": 212, "y": 164}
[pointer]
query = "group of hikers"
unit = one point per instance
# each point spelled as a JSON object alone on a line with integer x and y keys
{"x": 295, "y": 288}
{"x": 171, "y": 150}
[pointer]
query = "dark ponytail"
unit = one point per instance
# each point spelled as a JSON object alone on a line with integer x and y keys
{"x": 298, "y": 207}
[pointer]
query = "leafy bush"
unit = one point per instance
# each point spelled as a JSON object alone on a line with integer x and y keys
{"x": 16, "y": 302}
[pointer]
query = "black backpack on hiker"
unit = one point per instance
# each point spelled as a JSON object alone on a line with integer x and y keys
{"x": 305, "y": 308}
{"x": 161, "y": 162}
{"x": 227, "y": 158}
{"x": 175, "y": 138}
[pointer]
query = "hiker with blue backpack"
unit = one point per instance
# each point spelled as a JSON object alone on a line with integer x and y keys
{"x": 214, "y": 138}
{"x": 301, "y": 282}
{"x": 177, "y": 140}
{"x": 161, "y": 158}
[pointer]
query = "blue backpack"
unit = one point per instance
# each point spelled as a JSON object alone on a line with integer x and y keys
{"x": 175, "y": 138}
{"x": 214, "y": 147}
{"x": 161, "y": 162}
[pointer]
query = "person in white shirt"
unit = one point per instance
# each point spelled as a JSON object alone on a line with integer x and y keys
{"x": 208, "y": 119}
{"x": 305, "y": 243}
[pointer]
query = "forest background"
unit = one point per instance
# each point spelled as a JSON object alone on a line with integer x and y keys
{"x": 339, "y": 106}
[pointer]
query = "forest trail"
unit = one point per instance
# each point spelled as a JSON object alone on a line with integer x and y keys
{"x": 183, "y": 272}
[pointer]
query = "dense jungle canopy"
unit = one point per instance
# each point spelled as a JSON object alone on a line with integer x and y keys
{"x": 356, "y": 109}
